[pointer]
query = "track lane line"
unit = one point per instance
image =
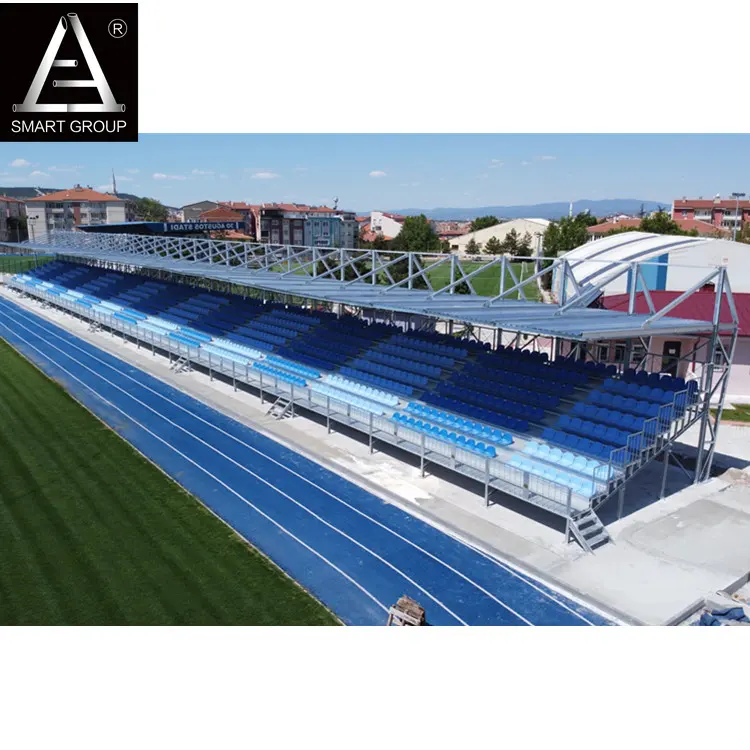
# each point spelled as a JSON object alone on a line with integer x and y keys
{"x": 501, "y": 565}
{"x": 244, "y": 468}
{"x": 208, "y": 473}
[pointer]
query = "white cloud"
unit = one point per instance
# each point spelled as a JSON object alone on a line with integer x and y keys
{"x": 223, "y": 176}
{"x": 202, "y": 172}
{"x": 409, "y": 184}
{"x": 525, "y": 163}
{"x": 20, "y": 163}
{"x": 545, "y": 158}
{"x": 265, "y": 176}
{"x": 162, "y": 176}
{"x": 377, "y": 173}
{"x": 122, "y": 178}
{"x": 132, "y": 171}
{"x": 37, "y": 173}
{"x": 300, "y": 169}
{"x": 65, "y": 169}
{"x": 482, "y": 176}
{"x": 495, "y": 164}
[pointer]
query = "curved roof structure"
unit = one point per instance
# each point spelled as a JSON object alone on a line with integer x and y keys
{"x": 601, "y": 261}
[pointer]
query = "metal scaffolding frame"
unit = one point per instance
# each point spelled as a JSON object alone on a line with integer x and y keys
{"x": 364, "y": 280}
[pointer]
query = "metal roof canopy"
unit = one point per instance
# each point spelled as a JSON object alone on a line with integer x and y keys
{"x": 320, "y": 274}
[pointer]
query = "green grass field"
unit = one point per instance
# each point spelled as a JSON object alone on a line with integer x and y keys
{"x": 19, "y": 264}
{"x": 735, "y": 413}
{"x": 487, "y": 283}
{"x": 92, "y": 533}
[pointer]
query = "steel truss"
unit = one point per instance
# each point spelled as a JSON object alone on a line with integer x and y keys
{"x": 439, "y": 286}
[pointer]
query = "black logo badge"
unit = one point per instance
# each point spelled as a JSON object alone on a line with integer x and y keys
{"x": 75, "y": 72}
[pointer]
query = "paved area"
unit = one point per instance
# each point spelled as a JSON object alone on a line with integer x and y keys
{"x": 665, "y": 553}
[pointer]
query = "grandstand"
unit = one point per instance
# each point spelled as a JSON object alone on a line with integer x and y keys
{"x": 555, "y": 428}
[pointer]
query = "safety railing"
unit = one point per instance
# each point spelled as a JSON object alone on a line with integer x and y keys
{"x": 494, "y": 473}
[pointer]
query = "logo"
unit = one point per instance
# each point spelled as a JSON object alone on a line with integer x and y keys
{"x": 78, "y": 68}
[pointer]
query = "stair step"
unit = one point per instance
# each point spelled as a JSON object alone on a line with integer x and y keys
{"x": 600, "y": 538}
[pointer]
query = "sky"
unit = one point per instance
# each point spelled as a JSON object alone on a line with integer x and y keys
{"x": 382, "y": 171}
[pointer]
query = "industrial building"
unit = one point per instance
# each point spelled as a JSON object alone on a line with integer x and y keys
{"x": 535, "y": 228}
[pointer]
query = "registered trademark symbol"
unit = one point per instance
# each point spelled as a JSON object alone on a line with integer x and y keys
{"x": 117, "y": 28}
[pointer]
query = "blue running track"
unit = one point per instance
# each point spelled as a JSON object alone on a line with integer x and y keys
{"x": 353, "y": 551}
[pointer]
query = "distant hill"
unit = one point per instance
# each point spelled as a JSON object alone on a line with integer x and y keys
{"x": 539, "y": 210}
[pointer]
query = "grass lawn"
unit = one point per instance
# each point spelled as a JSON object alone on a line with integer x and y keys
{"x": 735, "y": 413}
{"x": 21, "y": 263}
{"x": 92, "y": 533}
{"x": 487, "y": 283}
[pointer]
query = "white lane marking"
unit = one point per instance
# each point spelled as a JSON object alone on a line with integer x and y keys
{"x": 216, "y": 479}
{"x": 303, "y": 478}
{"x": 243, "y": 468}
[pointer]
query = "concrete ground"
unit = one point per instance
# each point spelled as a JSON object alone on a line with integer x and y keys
{"x": 664, "y": 554}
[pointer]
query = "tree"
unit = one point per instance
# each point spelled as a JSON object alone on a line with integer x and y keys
{"x": 445, "y": 246}
{"x": 660, "y": 223}
{"x": 510, "y": 243}
{"x": 416, "y": 236}
{"x": 472, "y": 247}
{"x": 493, "y": 246}
{"x": 567, "y": 233}
{"x": 744, "y": 234}
{"x": 524, "y": 248}
{"x": 150, "y": 209}
{"x": 482, "y": 222}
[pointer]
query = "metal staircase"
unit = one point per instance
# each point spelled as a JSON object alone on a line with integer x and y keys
{"x": 182, "y": 364}
{"x": 281, "y": 408}
{"x": 587, "y": 530}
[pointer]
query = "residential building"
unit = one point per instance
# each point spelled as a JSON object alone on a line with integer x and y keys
{"x": 12, "y": 211}
{"x": 385, "y": 224}
{"x": 723, "y": 213}
{"x": 535, "y": 228}
{"x": 192, "y": 211}
{"x": 299, "y": 224}
{"x": 68, "y": 209}
{"x": 449, "y": 230}
{"x": 703, "y": 228}
{"x": 246, "y": 210}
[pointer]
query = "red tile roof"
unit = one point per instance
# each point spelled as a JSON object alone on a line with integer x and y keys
{"x": 8, "y": 199}
{"x": 701, "y": 203}
{"x": 221, "y": 214}
{"x": 699, "y": 306}
{"x": 232, "y": 235}
{"x": 687, "y": 225}
{"x": 75, "y": 194}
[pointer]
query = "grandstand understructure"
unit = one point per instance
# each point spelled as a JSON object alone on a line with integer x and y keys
{"x": 338, "y": 333}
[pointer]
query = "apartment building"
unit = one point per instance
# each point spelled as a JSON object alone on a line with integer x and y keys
{"x": 300, "y": 224}
{"x": 723, "y": 213}
{"x": 12, "y": 211}
{"x": 68, "y": 209}
{"x": 386, "y": 224}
